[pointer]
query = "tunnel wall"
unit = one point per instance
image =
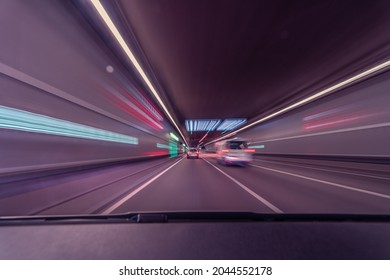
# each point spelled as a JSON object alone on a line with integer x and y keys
{"x": 51, "y": 65}
{"x": 353, "y": 122}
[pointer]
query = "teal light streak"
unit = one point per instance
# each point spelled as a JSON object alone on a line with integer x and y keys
{"x": 15, "y": 119}
{"x": 162, "y": 146}
{"x": 257, "y": 147}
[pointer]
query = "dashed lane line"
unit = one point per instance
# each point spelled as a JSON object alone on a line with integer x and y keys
{"x": 255, "y": 195}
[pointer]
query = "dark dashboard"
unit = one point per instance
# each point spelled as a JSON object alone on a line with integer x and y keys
{"x": 191, "y": 236}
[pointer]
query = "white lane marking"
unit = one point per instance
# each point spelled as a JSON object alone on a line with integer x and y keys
{"x": 326, "y": 182}
{"x": 137, "y": 190}
{"x": 349, "y": 173}
{"x": 258, "y": 197}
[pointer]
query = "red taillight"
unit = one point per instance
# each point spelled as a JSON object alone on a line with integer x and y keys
{"x": 250, "y": 150}
{"x": 225, "y": 151}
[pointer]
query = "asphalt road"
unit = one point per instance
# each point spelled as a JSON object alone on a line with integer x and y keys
{"x": 180, "y": 184}
{"x": 264, "y": 186}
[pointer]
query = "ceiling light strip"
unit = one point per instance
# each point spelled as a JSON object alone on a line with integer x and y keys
{"x": 106, "y": 18}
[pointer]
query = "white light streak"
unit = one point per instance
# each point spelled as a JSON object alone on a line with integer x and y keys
{"x": 107, "y": 20}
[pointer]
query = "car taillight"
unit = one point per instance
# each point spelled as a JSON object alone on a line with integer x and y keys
{"x": 225, "y": 151}
{"x": 250, "y": 150}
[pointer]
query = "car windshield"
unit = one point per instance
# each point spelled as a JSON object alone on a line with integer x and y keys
{"x": 236, "y": 106}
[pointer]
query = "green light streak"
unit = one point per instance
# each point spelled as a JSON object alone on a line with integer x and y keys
{"x": 173, "y": 136}
{"x": 172, "y": 149}
{"x": 15, "y": 119}
{"x": 257, "y": 147}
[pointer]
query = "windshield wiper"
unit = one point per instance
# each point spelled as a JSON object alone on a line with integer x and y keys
{"x": 191, "y": 216}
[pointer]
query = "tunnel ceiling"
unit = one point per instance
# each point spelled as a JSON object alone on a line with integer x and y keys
{"x": 244, "y": 59}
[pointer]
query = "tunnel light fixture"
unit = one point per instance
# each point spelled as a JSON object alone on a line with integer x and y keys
{"x": 360, "y": 76}
{"x": 115, "y": 32}
{"x": 202, "y": 125}
{"x": 213, "y": 124}
{"x": 213, "y": 127}
{"x": 15, "y": 119}
{"x": 230, "y": 124}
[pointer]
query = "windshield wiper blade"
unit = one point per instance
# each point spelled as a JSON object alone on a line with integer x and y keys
{"x": 84, "y": 218}
{"x": 192, "y": 216}
{"x": 212, "y": 216}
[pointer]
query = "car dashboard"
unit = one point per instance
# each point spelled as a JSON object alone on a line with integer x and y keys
{"x": 192, "y": 236}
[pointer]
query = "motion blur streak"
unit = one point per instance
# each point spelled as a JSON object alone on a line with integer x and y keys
{"x": 106, "y": 18}
{"x": 354, "y": 123}
{"x": 335, "y": 122}
{"x": 21, "y": 120}
{"x": 157, "y": 153}
{"x": 141, "y": 106}
{"x": 351, "y": 114}
{"x": 36, "y": 83}
{"x": 315, "y": 96}
{"x": 133, "y": 110}
{"x": 173, "y": 149}
{"x": 358, "y": 128}
{"x": 82, "y": 125}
